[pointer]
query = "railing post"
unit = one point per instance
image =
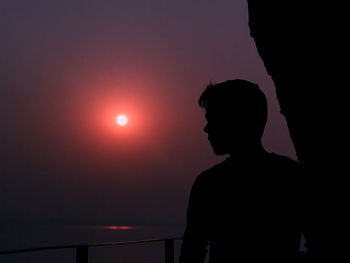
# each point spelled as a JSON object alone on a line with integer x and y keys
{"x": 169, "y": 250}
{"x": 82, "y": 254}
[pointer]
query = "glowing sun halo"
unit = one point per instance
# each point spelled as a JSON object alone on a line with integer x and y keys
{"x": 122, "y": 120}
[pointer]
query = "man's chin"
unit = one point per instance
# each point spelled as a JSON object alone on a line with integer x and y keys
{"x": 218, "y": 151}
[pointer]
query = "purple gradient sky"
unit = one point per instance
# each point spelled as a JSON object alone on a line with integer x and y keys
{"x": 69, "y": 67}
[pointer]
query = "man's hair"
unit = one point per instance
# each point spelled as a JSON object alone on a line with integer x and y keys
{"x": 237, "y": 97}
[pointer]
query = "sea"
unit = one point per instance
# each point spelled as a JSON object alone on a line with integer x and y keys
{"x": 15, "y": 236}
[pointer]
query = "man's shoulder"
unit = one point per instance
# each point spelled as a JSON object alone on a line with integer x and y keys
{"x": 206, "y": 179}
{"x": 285, "y": 168}
{"x": 213, "y": 171}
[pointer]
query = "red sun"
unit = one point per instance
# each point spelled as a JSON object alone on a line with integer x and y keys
{"x": 122, "y": 120}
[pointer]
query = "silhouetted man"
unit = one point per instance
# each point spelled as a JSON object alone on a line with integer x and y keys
{"x": 246, "y": 207}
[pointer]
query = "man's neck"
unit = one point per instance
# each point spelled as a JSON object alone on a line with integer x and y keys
{"x": 248, "y": 153}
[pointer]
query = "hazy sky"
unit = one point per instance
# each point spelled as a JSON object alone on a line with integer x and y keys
{"x": 68, "y": 68}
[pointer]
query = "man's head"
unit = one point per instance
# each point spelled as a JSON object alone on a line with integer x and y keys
{"x": 236, "y": 111}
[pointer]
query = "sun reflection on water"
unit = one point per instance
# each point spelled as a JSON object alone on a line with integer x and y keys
{"x": 117, "y": 227}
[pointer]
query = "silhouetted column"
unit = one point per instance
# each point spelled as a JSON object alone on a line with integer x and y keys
{"x": 82, "y": 254}
{"x": 169, "y": 250}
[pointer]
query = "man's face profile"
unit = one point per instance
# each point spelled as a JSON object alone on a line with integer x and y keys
{"x": 224, "y": 130}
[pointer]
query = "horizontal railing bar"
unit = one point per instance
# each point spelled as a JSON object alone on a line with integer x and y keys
{"x": 120, "y": 243}
{"x": 132, "y": 242}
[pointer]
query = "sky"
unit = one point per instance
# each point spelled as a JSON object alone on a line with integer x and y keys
{"x": 68, "y": 68}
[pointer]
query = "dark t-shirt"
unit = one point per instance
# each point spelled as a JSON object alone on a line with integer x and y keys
{"x": 244, "y": 210}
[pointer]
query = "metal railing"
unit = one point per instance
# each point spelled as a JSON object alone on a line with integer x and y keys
{"x": 82, "y": 251}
